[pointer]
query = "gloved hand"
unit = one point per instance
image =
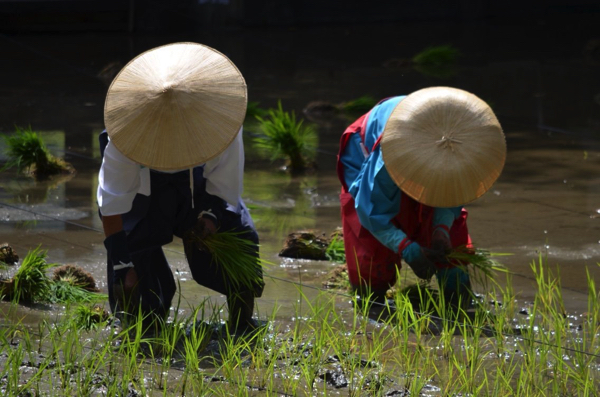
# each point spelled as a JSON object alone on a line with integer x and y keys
{"x": 455, "y": 284}
{"x": 192, "y": 239}
{"x": 124, "y": 275}
{"x": 440, "y": 240}
{"x": 206, "y": 226}
{"x": 118, "y": 254}
{"x": 421, "y": 260}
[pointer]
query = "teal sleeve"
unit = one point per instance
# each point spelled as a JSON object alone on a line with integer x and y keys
{"x": 377, "y": 201}
{"x": 445, "y": 217}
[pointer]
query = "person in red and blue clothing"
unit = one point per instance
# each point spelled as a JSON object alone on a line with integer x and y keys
{"x": 407, "y": 168}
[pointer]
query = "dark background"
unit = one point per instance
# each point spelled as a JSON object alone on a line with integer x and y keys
{"x": 161, "y": 15}
{"x": 528, "y": 59}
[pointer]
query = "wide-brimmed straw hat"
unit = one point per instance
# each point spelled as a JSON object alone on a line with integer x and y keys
{"x": 444, "y": 147}
{"x": 175, "y": 106}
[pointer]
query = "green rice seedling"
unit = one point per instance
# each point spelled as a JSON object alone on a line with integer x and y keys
{"x": 318, "y": 327}
{"x": 265, "y": 353}
{"x": 234, "y": 254}
{"x": 30, "y": 282}
{"x": 234, "y": 356}
{"x": 336, "y": 251}
{"x": 254, "y": 110}
{"x": 90, "y": 317}
{"x": 359, "y": 105}
{"x": 283, "y": 137}
{"x": 63, "y": 291}
{"x": 586, "y": 341}
{"x": 471, "y": 330}
{"x": 437, "y": 61}
{"x": 480, "y": 259}
{"x": 27, "y": 152}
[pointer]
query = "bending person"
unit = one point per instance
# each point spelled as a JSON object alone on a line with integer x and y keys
{"x": 173, "y": 163}
{"x": 407, "y": 167}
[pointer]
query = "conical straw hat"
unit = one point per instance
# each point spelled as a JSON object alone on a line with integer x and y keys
{"x": 175, "y": 106}
{"x": 444, "y": 147}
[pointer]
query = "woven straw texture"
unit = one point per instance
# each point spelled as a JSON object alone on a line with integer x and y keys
{"x": 444, "y": 147}
{"x": 175, "y": 106}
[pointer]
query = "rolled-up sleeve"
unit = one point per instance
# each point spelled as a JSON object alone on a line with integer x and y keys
{"x": 445, "y": 217}
{"x": 225, "y": 173}
{"x": 119, "y": 180}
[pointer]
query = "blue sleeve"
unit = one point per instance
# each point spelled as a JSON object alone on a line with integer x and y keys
{"x": 377, "y": 201}
{"x": 445, "y": 216}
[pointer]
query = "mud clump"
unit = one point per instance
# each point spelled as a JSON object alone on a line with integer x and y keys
{"x": 305, "y": 245}
{"x": 338, "y": 279}
{"x": 8, "y": 255}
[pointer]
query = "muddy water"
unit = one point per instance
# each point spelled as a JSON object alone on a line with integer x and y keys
{"x": 540, "y": 77}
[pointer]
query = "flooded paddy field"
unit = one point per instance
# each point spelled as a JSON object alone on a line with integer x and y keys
{"x": 540, "y": 77}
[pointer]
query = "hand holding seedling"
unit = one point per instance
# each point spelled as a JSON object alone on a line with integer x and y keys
{"x": 440, "y": 241}
{"x": 206, "y": 227}
{"x": 421, "y": 260}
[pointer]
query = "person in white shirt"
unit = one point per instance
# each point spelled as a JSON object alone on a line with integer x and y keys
{"x": 173, "y": 161}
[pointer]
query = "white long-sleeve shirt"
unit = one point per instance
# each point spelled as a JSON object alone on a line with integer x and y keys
{"x": 120, "y": 178}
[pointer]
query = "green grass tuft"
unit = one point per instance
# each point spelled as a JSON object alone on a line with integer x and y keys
{"x": 283, "y": 137}
{"x": 27, "y": 152}
{"x": 64, "y": 291}
{"x": 359, "y": 105}
{"x": 438, "y": 61}
{"x": 87, "y": 318}
{"x": 336, "y": 251}
{"x": 31, "y": 283}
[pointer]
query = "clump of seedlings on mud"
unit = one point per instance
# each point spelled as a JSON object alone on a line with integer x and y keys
{"x": 282, "y": 136}
{"x": 437, "y": 61}
{"x": 31, "y": 283}
{"x": 27, "y": 152}
{"x": 358, "y": 106}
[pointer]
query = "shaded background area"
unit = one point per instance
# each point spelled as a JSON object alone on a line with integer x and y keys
{"x": 536, "y": 63}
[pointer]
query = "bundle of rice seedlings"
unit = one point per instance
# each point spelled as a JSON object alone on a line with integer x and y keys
{"x": 88, "y": 318}
{"x": 359, "y": 105}
{"x": 75, "y": 275}
{"x": 234, "y": 254}
{"x": 28, "y": 153}
{"x": 438, "y": 61}
{"x": 480, "y": 259}
{"x": 30, "y": 283}
{"x": 65, "y": 291}
{"x": 283, "y": 137}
